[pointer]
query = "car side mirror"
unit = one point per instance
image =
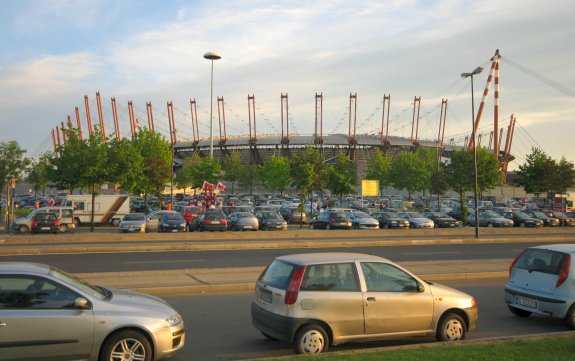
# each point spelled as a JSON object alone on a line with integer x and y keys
{"x": 81, "y": 303}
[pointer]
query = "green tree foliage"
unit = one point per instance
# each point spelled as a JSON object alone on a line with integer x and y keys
{"x": 275, "y": 174}
{"x": 409, "y": 172}
{"x": 378, "y": 168}
{"x": 206, "y": 169}
{"x": 126, "y": 164}
{"x": 157, "y": 167}
{"x": 232, "y": 168}
{"x": 308, "y": 173}
{"x": 342, "y": 176}
{"x": 38, "y": 172}
{"x": 562, "y": 176}
{"x": 12, "y": 162}
{"x": 533, "y": 175}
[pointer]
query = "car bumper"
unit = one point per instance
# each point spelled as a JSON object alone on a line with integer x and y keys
{"x": 213, "y": 227}
{"x": 368, "y": 226}
{"x": 274, "y": 325}
{"x": 133, "y": 229}
{"x": 537, "y": 302}
{"x": 472, "y": 316}
{"x": 169, "y": 340}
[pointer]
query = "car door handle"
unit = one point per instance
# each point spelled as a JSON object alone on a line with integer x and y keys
{"x": 371, "y": 299}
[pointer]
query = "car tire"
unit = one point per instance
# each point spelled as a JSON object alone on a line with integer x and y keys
{"x": 77, "y": 222}
{"x": 311, "y": 226}
{"x": 522, "y": 224}
{"x": 519, "y": 312}
{"x": 310, "y": 339}
{"x": 450, "y": 327}
{"x": 385, "y": 226}
{"x": 127, "y": 342}
{"x": 115, "y": 222}
{"x": 570, "y": 318}
{"x": 63, "y": 228}
{"x": 23, "y": 229}
{"x": 328, "y": 226}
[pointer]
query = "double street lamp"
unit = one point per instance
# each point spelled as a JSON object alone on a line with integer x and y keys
{"x": 212, "y": 56}
{"x": 475, "y": 188}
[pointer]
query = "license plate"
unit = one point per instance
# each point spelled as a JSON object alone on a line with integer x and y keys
{"x": 215, "y": 222}
{"x": 452, "y": 225}
{"x": 278, "y": 227}
{"x": 247, "y": 227}
{"x": 527, "y": 302}
{"x": 44, "y": 228}
{"x": 174, "y": 230}
{"x": 266, "y": 296}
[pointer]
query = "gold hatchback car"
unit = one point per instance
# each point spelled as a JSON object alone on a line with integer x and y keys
{"x": 320, "y": 299}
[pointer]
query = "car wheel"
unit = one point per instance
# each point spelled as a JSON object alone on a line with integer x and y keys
{"x": 385, "y": 226}
{"x": 522, "y": 224}
{"x": 450, "y": 328}
{"x": 570, "y": 318}
{"x": 311, "y": 339}
{"x": 115, "y": 222}
{"x": 63, "y": 228}
{"x": 77, "y": 222}
{"x": 127, "y": 345}
{"x": 490, "y": 225}
{"x": 311, "y": 226}
{"x": 23, "y": 229}
{"x": 519, "y": 312}
{"x": 328, "y": 226}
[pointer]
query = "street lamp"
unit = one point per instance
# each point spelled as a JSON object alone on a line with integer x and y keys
{"x": 212, "y": 56}
{"x": 470, "y": 75}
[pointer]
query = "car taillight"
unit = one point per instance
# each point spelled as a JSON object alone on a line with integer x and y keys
{"x": 515, "y": 261}
{"x": 34, "y": 223}
{"x": 207, "y": 221}
{"x": 224, "y": 221}
{"x": 294, "y": 284}
{"x": 564, "y": 271}
{"x": 57, "y": 223}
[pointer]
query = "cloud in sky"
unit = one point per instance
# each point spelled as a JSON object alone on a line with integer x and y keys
{"x": 54, "y": 52}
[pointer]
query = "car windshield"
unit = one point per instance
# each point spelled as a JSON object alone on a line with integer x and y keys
{"x": 361, "y": 215}
{"x": 172, "y": 216}
{"x": 244, "y": 215}
{"x": 540, "y": 215}
{"x": 338, "y": 215}
{"x": 490, "y": 214}
{"x": 270, "y": 215}
{"x": 522, "y": 214}
{"x": 134, "y": 217}
{"x": 415, "y": 215}
{"x": 92, "y": 290}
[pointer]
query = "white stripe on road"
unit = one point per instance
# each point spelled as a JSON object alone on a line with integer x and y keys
{"x": 434, "y": 253}
{"x": 176, "y": 261}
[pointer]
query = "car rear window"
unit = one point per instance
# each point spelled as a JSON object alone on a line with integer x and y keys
{"x": 278, "y": 274}
{"x": 541, "y": 260}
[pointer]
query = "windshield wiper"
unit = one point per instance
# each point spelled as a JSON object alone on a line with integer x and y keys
{"x": 107, "y": 293}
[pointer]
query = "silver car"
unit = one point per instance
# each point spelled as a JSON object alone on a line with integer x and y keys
{"x": 362, "y": 220}
{"x": 417, "y": 220}
{"x": 133, "y": 222}
{"x": 321, "y": 299}
{"x": 541, "y": 281}
{"x": 45, "y": 312}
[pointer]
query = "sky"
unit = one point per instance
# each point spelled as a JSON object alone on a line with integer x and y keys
{"x": 54, "y": 52}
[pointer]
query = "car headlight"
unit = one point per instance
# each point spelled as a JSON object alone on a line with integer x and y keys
{"x": 183, "y": 224}
{"x": 174, "y": 320}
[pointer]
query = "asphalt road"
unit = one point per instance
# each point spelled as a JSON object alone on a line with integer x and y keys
{"x": 218, "y": 327}
{"x": 139, "y": 261}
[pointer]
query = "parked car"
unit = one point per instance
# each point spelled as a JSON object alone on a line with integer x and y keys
{"x": 133, "y": 222}
{"x": 541, "y": 281}
{"x": 390, "y": 220}
{"x": 522, "y": 219}
{"x": 211, "y": 220}
{"x": 547, "y": 221}
{"x": 489, "y": 219}
{"x": 65, "y": 216}
{"x": 45, "y": 222}
{"x": 243, "y": 221}
{"x": 564, "y": 219}
{"x": 190, "y": 212}
{"x": 270, "y": 220}
{"x": 292, "y": 214}
{"x": 331, "y": 219}
{"x": 153, "y": 219}
{"x": 417, "y": 220}
{"x": 86, "y": 322}
{"x": 442, "y": 220}
{"x": 172, "y": 222}
{"x": 320, "y": 299}
{"x": 362, "y": 220}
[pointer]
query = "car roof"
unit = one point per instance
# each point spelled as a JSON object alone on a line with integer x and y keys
{"x": 328, "y": 257}
{"x": 560, "y": 247}
{"x": 24, "y": 267}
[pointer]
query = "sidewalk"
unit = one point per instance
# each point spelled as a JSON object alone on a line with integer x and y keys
{"x": 222, "y": 280}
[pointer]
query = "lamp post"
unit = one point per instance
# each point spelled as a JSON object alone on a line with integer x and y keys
{"x": 470, "y": 75}
{"x": 212, "y": 56}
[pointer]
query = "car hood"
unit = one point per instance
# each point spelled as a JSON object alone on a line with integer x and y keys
{"x": 448, "y": 293}
{"x": 132, "y": 223}
{"x": 139, "y": 301}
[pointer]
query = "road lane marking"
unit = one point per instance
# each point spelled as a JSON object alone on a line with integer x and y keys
{"x": 174, "y": 261}
{"x": 433, "y": 253}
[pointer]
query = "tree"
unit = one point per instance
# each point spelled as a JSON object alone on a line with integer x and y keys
{"x": 562, "y": 176}
{"x": 12, "y": 162}
{"x": 205, "y": 169}
{"x": 232, "y": 167}
{"x": 38, "y": 172}
{"x": 378, "y": 168}
{"x": 342, "y": 176}
{"x": 82, "y": 163}
{"x": 533, "y": 175}
{"x": 308, "y": 173}
{"x": 275, "y": 173}
{"x": 157, "y": 154}
{"x": 408, "y": 171}
{"x": 126, "y": 164}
